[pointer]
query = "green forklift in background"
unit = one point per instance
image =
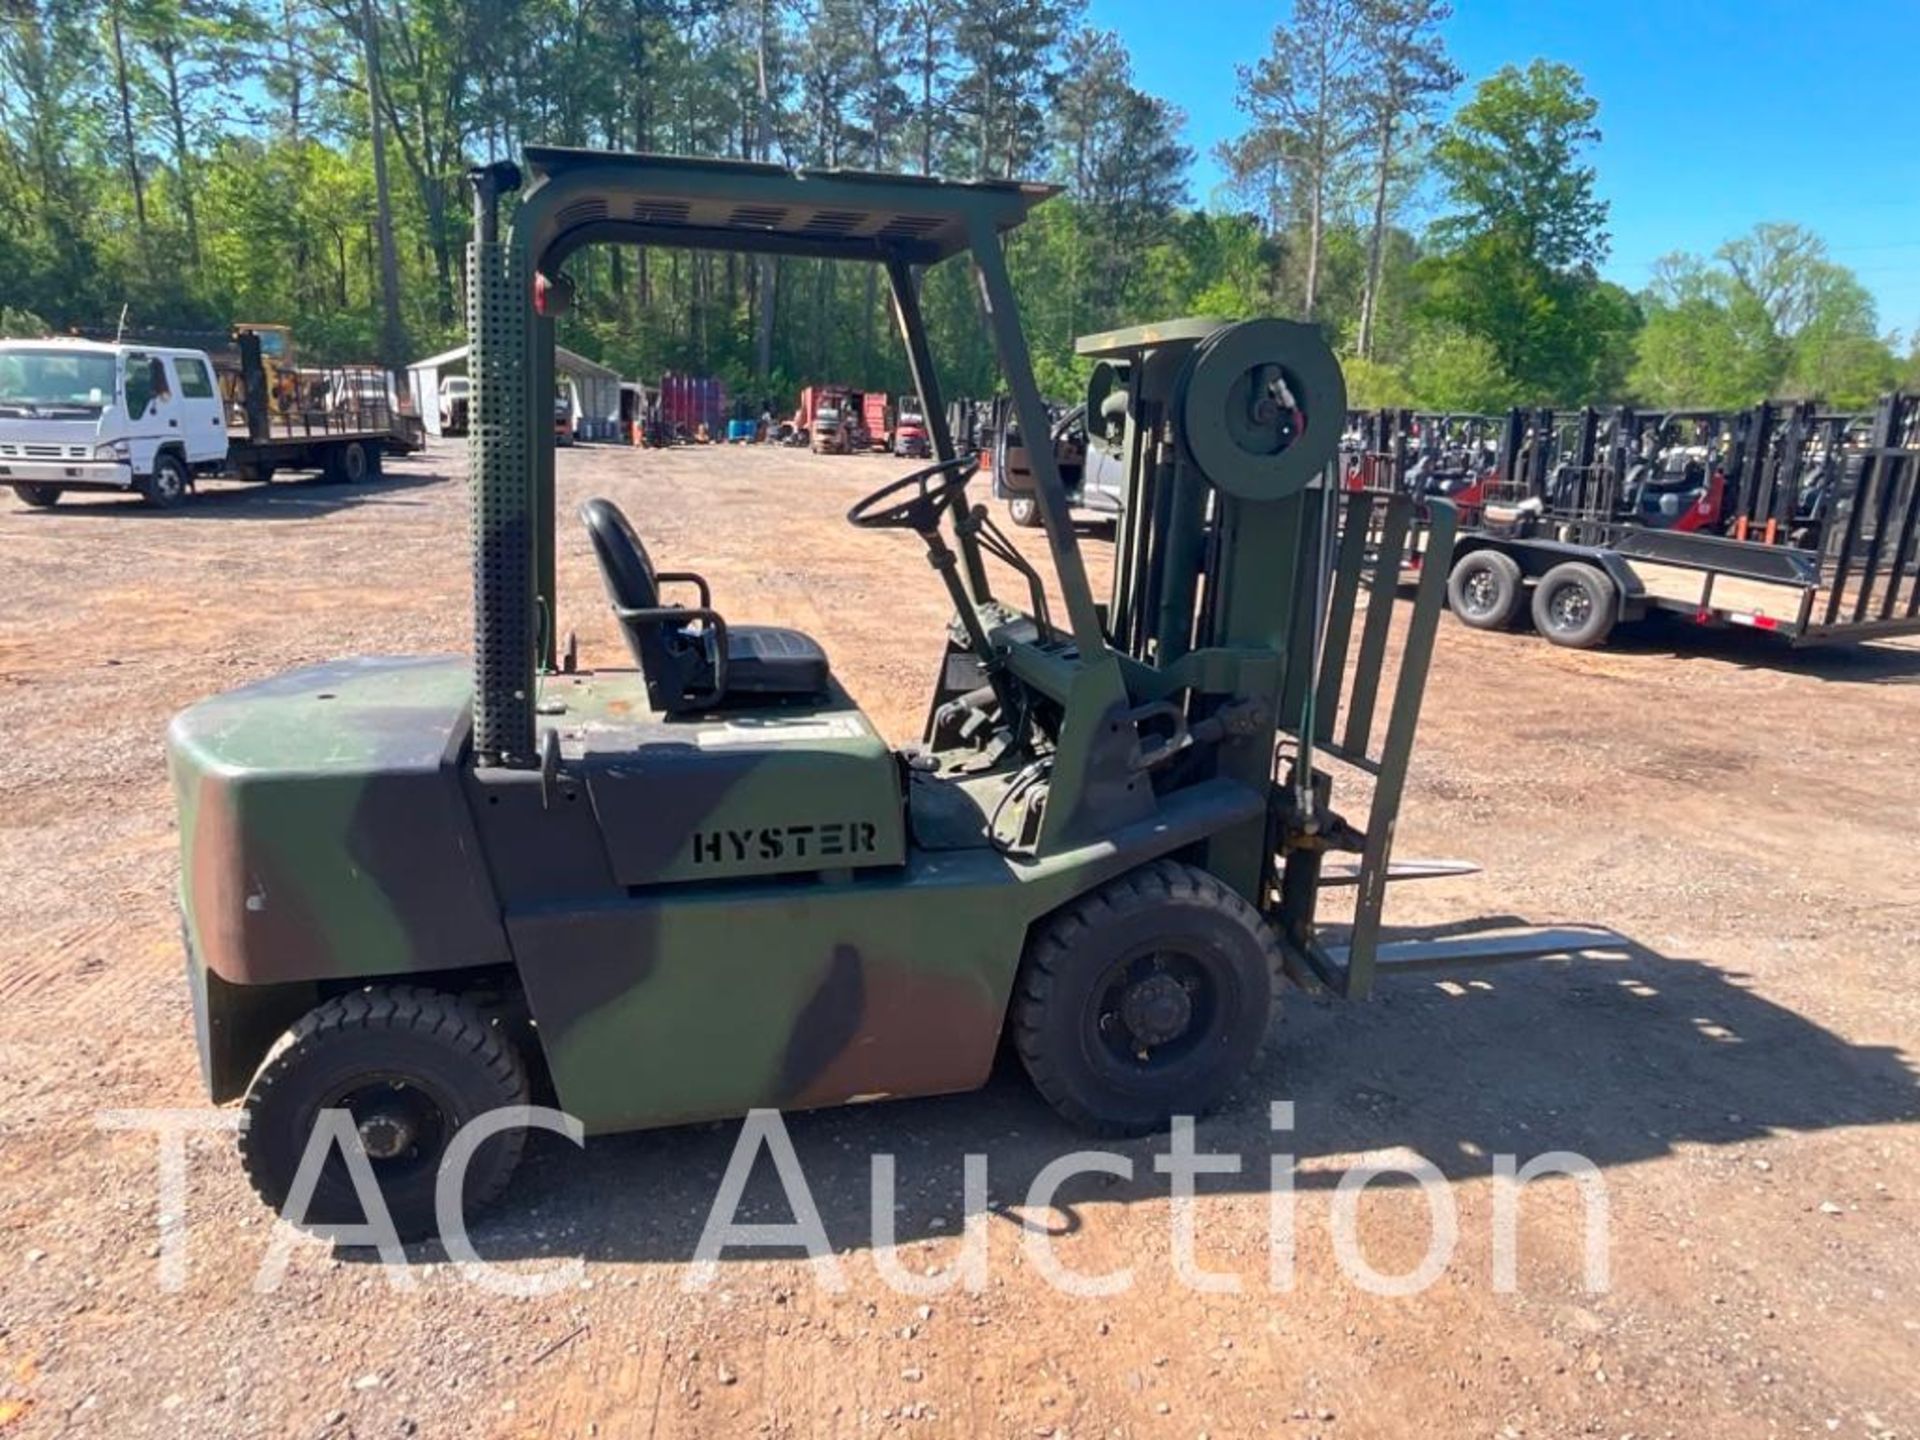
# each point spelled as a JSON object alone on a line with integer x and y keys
{"x": 421, "y": 889}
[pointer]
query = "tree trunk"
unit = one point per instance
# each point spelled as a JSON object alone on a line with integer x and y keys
{"x": 126, "y": 125}
{"x": 1315, "y": 213}
{"x": 1376, "y": 244}
{"x": 642, "y": 133}
{"x": 393, "y": 337}
{"x": 293, "y": 74}
{"x": 926, "y": 99}
{"x": 768, "y": 274}
{"x": 182, "y": 152}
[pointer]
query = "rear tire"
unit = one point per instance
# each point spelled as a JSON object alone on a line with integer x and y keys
{"x": 1024, "y": 511}
{"x": 40, "y": 497}
{"x": 1484, "y": 590}
{"x": 167, "y": 486}
{"x": 353, "y": 462}
{"x": 1146, "y": 999}
{"x": 1575, "y": 605}
{"x": 412, "y": 1066}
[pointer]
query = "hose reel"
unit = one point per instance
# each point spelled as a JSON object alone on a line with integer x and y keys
{"x": 1260, "y": 406}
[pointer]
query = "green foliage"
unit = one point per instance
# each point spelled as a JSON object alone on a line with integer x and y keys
{"x": 1511, "y": 162}
{"x": 1514, "y": 262}
{"x": 248, "y": 126}
{"x": 22, "y": 323}
{"x": 1769, "y": 315}
{"x": 1454, "y": 369}
{"x": 1374, "y": 386}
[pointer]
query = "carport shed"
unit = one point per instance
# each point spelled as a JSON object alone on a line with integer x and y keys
{"x": 599, "y": 389}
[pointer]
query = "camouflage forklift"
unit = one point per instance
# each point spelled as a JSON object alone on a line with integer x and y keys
{"x": 420, "y": 889}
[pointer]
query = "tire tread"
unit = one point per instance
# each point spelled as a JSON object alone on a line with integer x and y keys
{"x": 1156, "y": 883}
{"x": 434, "y": 1013}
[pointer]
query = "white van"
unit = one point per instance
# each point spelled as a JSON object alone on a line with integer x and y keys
{"x": 83, "y": 415}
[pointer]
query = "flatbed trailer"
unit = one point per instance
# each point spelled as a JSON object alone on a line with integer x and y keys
{"x": 1706, "y": 580}
{"x": 1556, "y": 545}
{"x": 340, "y": 421}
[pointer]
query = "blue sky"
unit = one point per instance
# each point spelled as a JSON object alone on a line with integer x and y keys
{"x": 1715, "y": 114}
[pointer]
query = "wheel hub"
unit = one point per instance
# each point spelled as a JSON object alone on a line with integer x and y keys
{"x": 384, "y": 1135}
{"x": 1480, "y": 592}
{"x": 1571, "y": 606}
{"x": 1156, "y": 1009}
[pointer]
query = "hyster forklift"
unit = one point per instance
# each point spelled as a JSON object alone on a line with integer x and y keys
{"x": 417, "y": 890}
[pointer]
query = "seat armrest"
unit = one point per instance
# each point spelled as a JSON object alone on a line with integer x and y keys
{"x": 679, "y": 615}
{"x": 687, "y": 577}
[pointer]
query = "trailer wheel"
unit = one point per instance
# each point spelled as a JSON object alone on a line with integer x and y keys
{"x": 1575, "y": 605}
{"x": 1146, "y": 999}
{"x": 40, "y": 497}
{"x": 1024, "y": 511}
{"x": 353, "y": 462}
{"x": 166, "y": 487}
{"x": 411, "y": 1066}
{"x": 1484, "y": 590}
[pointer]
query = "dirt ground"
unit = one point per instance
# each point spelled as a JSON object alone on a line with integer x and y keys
{"x": 1738, "y": 1064}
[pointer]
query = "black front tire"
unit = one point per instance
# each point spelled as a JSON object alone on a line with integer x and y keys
{"x": 1146, "y": 999}
{"x": 40, "y": 497}
{"x": 1024, "y": 511}
{"x": 412, "y": 1066}
{"x": 1484, "y": 590}
{"x": 167, "y": 486}
{"x": 1575, "y": 605}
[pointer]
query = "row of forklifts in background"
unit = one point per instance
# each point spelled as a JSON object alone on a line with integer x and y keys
{"x": 1787, "y": 517}
{"x": 839, "y": 420}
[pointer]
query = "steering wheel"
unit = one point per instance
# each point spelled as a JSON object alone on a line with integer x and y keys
{"x": 934, "y": 489}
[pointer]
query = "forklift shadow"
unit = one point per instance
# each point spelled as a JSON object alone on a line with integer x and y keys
{"x": 241, "y": 500}
{"x": 1616, "y": 1053}
{"x": 1877, "y": 663}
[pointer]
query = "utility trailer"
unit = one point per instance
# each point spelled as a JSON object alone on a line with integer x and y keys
{"x": 339, "y": 420}
{"x": 1782, "y": 519}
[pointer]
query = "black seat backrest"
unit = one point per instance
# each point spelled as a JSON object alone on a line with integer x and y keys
{"x": 671, "y": 661}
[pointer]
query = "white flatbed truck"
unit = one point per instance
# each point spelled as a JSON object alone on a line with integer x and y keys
{"x": 152, "y": 419}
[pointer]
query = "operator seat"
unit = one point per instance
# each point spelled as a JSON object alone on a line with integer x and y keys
{"x": 682, "y": 665}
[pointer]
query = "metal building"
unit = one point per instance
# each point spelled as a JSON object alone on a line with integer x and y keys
{"x": 599, "y": 389}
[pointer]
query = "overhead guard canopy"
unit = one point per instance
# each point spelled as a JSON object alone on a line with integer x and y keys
{"x": 745, "y": 205}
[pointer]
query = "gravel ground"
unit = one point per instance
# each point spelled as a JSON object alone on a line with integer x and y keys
{"x": 1737, "y": 1062}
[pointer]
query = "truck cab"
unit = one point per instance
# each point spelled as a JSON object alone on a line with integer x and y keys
{"x": 456, "y": 401}
{"x": 88, "y": 415}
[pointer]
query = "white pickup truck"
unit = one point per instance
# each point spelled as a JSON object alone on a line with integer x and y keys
{"x": 88, "y": 415}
